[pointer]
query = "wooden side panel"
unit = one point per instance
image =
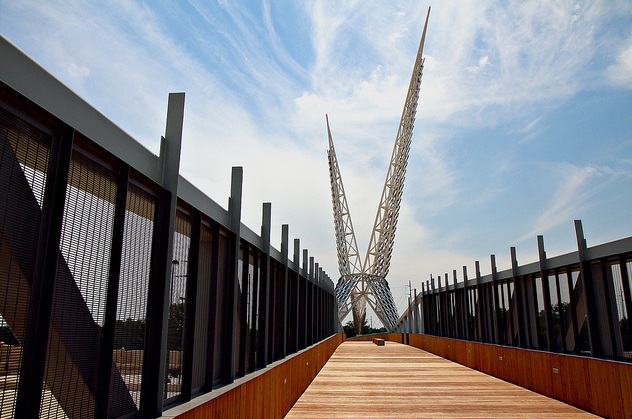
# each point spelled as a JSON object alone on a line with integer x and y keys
{"x": 252, "y": 398}
{"x": 362, "y": 338}
{"x": 430, "y": 344}
{"x": 484, "y": 358}
{"x": 273, "y": 393}
{"x": 277, "y": 384}
{"x": 234, "y": 402}
{"x": 420, "y": 341}
{"x": 541, "y": 373}
{"x": 269, "y": 390}
{"x": 625, "y": 375}
{"x": 443, "y": 345}
{"x": 459, "y": 353}
{"x": 507, "y": 363}
{"x": 523, "y": 375}
{"x": 575, "y": 381}
{"x": 493, "y": 359}
{"x": 448, "y": 346}
{"x": 597, "y": 386}
{"x": 227, "y": 406}
{"x": 557, "y": 374}
{"x": 605, "y": 387}
{"x": 415, "y": 340}
{"x": 471, "y": 349}
{"x": 440, "y": 347}
{"x": 436, "y": 346}
{"x": 395, "y": 337}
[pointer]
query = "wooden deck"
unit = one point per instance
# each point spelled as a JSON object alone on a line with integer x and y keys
{"x": 364, "y": 380}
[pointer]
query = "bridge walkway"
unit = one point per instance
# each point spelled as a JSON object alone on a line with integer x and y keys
{"x": 364, "y": 380}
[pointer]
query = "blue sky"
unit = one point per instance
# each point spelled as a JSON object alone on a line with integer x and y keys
{"x": 524, "y": 121}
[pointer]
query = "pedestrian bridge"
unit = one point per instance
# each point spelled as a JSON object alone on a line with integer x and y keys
{"x": 398, "y": 380}
{"x": 127, "y": 292}
{"x": 425, "y": 376}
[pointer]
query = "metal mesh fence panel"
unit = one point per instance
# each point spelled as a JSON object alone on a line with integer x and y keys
{"x": 239, "y": 310}
{"x": 220, "y": 318}
{"x": 626, "y": 321}
{"x": 79, "y": 294}
{"x": 202, "y": 309}
{"x": 565, "y": 314}
{"x": 129, "y": 331}
{"x": 24, "y": 156}
{"x": 177, "y": 306}
{"x": 617, "y": 274}
{"x": 253, "y": 311}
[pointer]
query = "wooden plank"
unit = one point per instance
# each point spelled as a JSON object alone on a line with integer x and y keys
{"x": 557, "y": 373}
{"x": 606, "y": 388}
{"x": 420, "y": 341}
{"x": 508, "y": 365}
{"x": 523, "y": 369}
{"x": 541, "y": 373}
{"x": 472, "y": 350}
{"x": 485, "y": 356}
{"x": 625, "y": 374}
{"x": 364, "y": 380}
{"x": 495, "y": 358}
{"x": 575, "y": 381}
{"x": 252, "y": 398}
{"x": 460, "y": 353}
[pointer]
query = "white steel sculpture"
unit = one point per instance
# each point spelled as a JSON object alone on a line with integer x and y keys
{"x": 363, "y": 282}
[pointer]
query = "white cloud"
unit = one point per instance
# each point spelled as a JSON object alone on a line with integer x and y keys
{"x": 250, "y": 103}
{"x": 526, "y": 59}
{"x": 482, "y": 63}
{"x": 620, "y": 73}
{"x": 531, "y": 52}
{"x": 79, "y": 72}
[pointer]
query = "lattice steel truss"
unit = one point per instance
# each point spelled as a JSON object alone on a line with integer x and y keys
{"x": 365, "y": 283}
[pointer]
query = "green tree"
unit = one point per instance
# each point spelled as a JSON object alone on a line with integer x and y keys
{"x": 349, "y": 329}
{"x": 626, "y": 333}
{"x": 129, "y": 334}
{"x": 558, "y": 315}
{"x": 176, "y": 327}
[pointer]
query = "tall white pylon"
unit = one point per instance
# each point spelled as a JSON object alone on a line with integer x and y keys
{"x": 365, "y": 283}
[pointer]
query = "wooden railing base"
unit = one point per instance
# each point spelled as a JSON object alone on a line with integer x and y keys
{"x": 270, "y": 392}
{"x": 598, "y": 386}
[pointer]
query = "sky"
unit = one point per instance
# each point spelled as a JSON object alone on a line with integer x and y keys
{"x": 524, "y": 121}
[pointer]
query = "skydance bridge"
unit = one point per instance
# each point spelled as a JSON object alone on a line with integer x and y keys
{"x": 125, "y": 292}
{"x": 363, "y": 282}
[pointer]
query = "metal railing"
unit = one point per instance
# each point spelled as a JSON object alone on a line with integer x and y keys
{"x": 578, "y": 303}
{"x": 124, "y": 288}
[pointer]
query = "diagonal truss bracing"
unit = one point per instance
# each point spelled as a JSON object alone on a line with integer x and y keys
{"x": 348, "y": 254}
{"x": 378, "y": 256}
{"x": 364, "y": 283}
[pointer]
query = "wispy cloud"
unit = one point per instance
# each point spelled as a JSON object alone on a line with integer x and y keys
{"x": 503, "y": 59}
{"x": 575, "y": 188}
{"x": 252, "y": 100}
{"x": 532, "y": 129}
